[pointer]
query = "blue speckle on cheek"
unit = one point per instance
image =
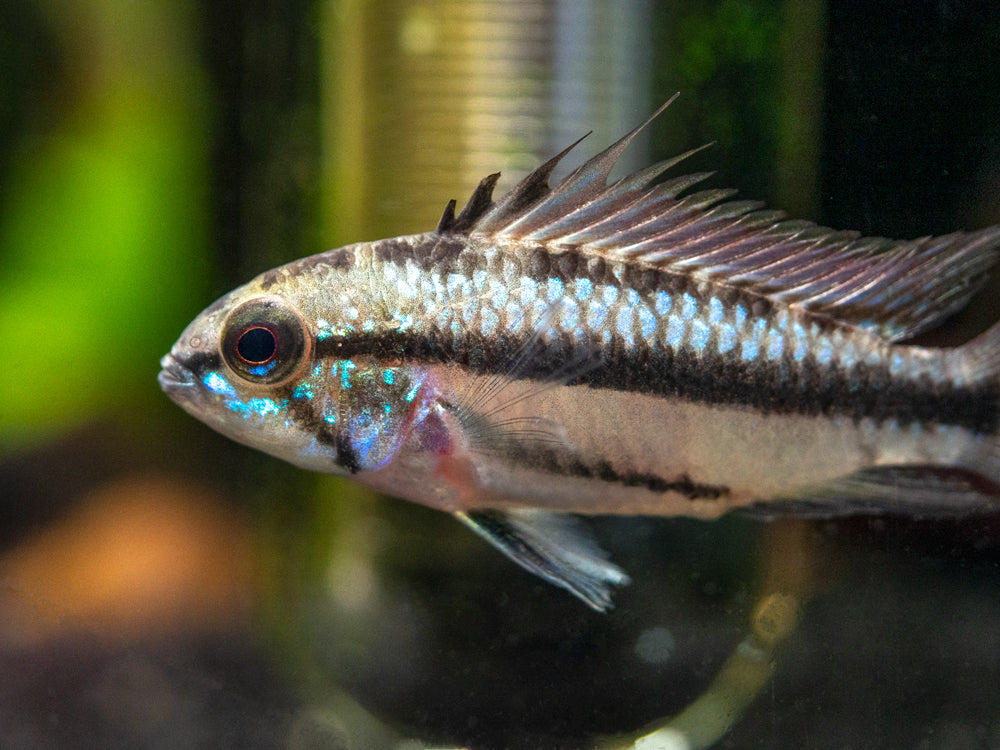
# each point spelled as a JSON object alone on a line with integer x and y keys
{"x": 217, "y": 384}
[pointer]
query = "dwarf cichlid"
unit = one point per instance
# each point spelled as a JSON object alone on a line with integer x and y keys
{"x": 632, "y": 348}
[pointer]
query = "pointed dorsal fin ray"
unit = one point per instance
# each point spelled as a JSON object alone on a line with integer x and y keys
{"x": 896, "y": 288}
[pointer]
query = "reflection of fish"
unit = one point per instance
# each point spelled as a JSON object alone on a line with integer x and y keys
{"x": 612, "y": 349}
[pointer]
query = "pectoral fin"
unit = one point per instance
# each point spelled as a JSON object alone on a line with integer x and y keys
{"x": 555, "y": 547}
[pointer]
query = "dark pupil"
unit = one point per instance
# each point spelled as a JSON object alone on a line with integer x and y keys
{"x": 256, "y": 345}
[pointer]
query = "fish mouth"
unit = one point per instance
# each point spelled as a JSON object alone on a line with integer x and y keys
{"x": 174, "y": 378}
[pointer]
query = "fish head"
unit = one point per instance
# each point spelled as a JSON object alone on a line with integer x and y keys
{"x": 281, "y": 368}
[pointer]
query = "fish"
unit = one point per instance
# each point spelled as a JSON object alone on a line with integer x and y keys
{"x": 626, "y": 347}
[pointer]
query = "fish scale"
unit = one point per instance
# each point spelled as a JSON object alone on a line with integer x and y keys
{"x": 607, "y": 347}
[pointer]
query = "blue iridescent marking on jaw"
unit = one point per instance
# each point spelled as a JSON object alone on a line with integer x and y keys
{"x": 258, "y": 407}
{"x": 324, "y": 331}
{"x": 388, "y": 377}
{"x": 217, "y": 384}
{"x": 303, "y": 391}
{"x": 609, "y": 295}
{"x": 584, "y": 288}
{"x": 749, "y": 350}
{"x": 555, "y": 290}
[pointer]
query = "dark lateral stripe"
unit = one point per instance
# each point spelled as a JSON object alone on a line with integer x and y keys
{"x": 568, "y": 464}
{"x": 779, "y": 387}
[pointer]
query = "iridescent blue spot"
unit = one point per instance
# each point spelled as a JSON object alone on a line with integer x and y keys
{"x": 405, "y": 322}
{"x": 675, "y": 331}
{"x": 662, "y": 303}
{"x": 749, "y": 350}
{"x": 489, "y": 322}
{"x": 609, "y": 295}
{"x": 555, "y": 290}
{"x": 388, "y": 377}
{"x": 263, "y": 369}
{"x": 570, "y": 315}
{"x": 825, "y": 352}
{"x": 444, "y": 316}
{"x": 741, "y": 317}
{"x": 714, "y": 311}
{"x": 411, "y": 394}
{"x": 529, "y": 290}
{"x": 455, "y": 283}
{"x": 647, "y": 322}
{"x": 801, "y": 345}
{"x": 897, "y": 364}
{"x": 624, "y": 324}
{"x": 330, "y": 417}
{"x": 848, "y": 355}
{"x": 217, "y": 384}
{"x": 700, "y": 333}
{"x": 351, "y": 313}
{"x": 318, "y": 369}
{"x": 405, "y": 289}
{"x": 345, "y": 373}
{"x": 584, "y": 288}
{"x": 596, "y": 315}
{"x": 727, "y": 338}
{"x": 631, "y": 297}
{"x": 479, "y": 279}
{"x": 499, "y": 292}
{"x": 302, "y": 391}
{"x": 775, "y": 346}
{"x": 262, "y": 406}
{"x": 690, "y": 308}
{"x": 368, "y": 326}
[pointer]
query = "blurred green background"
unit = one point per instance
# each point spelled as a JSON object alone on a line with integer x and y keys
{"x": 162, "y": 587}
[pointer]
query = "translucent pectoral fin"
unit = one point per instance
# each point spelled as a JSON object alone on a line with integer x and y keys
{"x": 553, "y": 546}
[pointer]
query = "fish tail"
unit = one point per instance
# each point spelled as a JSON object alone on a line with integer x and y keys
{"x": 979, "y": 360}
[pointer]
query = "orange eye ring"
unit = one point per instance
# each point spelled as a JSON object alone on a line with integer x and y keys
{"x": 265, "y": 341}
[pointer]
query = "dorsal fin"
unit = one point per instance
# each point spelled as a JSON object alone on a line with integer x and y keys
{"x": 897, "y": 288}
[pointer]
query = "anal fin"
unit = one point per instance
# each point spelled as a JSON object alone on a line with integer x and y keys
{"x": 554, "y": 547}
{"x": 917, "y": 491}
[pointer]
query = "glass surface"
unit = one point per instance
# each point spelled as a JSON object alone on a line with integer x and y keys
{"x": 161, "y": 586}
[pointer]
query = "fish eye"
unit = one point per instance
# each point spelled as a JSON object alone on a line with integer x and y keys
{"x": 264, "y": 341}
